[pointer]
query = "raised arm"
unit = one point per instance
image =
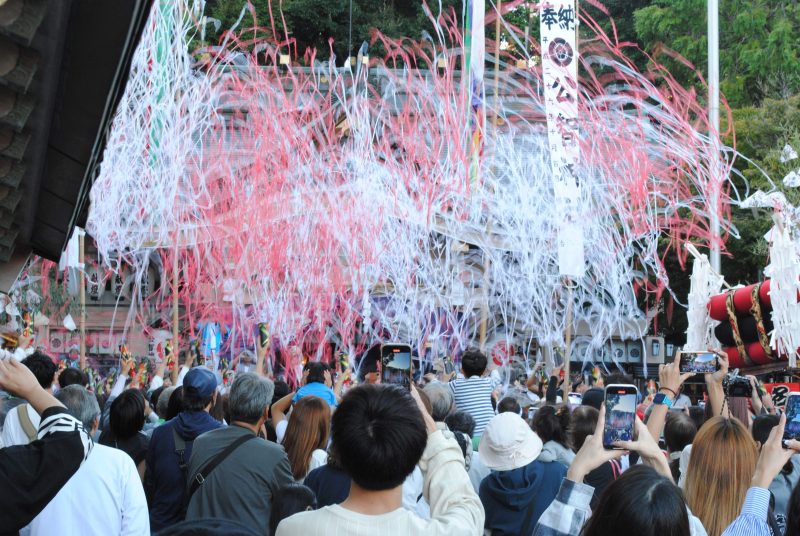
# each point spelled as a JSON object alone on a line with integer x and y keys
{"x": 753, "y": 520}
{"x": 573, "y": 499}
{"x": 755, "y": 395}
{"x": 670, "y": 381}
{"x": 716, "y": 394}
{"x": 552, "y": 386}
{"x": 32, "y": 474}
{"x": 281, "y": 408}
{"x": 158, "y": 377}
{"x": 455, "y": 507}
{"x": 533, "y": 379}
{"x": 340, "y": 381}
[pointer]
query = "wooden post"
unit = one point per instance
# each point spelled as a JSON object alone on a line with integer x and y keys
{"x": 82, "y": 260}
{"x": 485, "y": 293}
{"x": 497, "y": 62}
{"x": 568, "y": 338}
{"x": 486, "y": 262}
{"x": 175, "y": 305}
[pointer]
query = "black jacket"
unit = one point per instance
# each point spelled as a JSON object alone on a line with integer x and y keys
{"x": 33, "y": 474}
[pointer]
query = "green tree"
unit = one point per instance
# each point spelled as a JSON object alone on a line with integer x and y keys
{"x": 312, "y": 23}
{"x": 759, "y": 40}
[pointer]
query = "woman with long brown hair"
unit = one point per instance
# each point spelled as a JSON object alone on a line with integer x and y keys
{"x": 307, "y": 435}
{"x": 720, "y": 470}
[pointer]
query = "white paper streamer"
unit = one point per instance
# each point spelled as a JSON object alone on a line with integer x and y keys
{"x": 784, "y": 272}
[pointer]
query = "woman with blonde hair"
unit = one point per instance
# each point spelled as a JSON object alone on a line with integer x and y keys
{"x": 307, "y": 435}
{"x": 720, "y": 470}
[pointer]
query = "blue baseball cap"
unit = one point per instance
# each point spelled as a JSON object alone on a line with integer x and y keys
{"x": 200, "y": 382}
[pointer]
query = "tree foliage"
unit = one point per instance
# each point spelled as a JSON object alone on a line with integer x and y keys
{"x": 327, "y": 25}
{"x": 758, "y": 44}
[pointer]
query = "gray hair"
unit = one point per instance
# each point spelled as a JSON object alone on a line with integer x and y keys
{"x": 163, "y": 401}
{"x": 441, "y": 398}
{"x": 80, "y": 403}
{"x": 250, "y": 394}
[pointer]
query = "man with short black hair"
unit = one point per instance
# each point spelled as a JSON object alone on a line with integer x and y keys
{"x": 379, "y": 434}
{"x": 72, "y": 376}
{"x": 22, "y": 422}
{"x": 105, "y": 496}
{"x": 509, "y": 405}
{"x": 239, "y": 471}
{"x": 171, "y": 448}
{"x": 474, "y": 393}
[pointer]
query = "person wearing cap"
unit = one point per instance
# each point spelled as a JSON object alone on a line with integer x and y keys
{"x": 520, "y": 487}
{"x": 171, "y": 447}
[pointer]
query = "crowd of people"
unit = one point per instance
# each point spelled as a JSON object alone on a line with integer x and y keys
{"x": 460, "y": 453}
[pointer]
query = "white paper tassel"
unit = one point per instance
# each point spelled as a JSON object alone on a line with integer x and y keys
{"x": 705, "y": 283}
{"x": 784, "y": 272}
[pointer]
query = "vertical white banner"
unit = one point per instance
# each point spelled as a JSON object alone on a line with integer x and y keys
{"x": 559, "y": 23}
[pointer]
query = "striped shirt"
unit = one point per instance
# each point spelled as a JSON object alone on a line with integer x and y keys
{"x": 474, "y": 395}
{"x": 753, "y": 519}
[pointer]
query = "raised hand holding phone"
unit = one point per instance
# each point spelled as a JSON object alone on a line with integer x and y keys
{"x": 430, "y": 425}
{"x": 699, "y": 362}
{"x": 620, "y": 406}
{"x": 647, "y": 448}
{"x": 774, "y": 455}
{"x": 791, "y": 415}
{"x": 592, "y": 454}
{"x": 396, "y": 365}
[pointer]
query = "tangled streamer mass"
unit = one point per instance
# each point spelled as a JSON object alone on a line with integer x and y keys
{"x": 340, "y": 204}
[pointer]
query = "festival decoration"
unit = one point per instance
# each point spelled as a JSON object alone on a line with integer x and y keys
{"x": 784, "y": 271}
{"x": 341, "y": 204}
{"x": 705, "y": 283}
{"x": 95, "y": 283}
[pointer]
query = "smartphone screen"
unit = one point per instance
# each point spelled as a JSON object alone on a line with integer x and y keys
{"x": 396, "y": 364}
{"x": 620, "y": 403}
{"x": 699, "y": 362}
{"x": 792, "y": 429}
{"x": 448, "y": 365}
{"x": 263, "y": 334}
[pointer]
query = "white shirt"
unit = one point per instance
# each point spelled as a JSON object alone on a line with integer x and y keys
{"x": 455, "y": 508}
{"x": 280, "y": 430}
{"x": 104, "y": 497}
{"x": 13, "y": 434}
{"x": 412, "y": 490}
{"x": 682, "y": 401}
{"x": 477, "y": 471}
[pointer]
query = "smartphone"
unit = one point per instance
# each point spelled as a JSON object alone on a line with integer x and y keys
{"x": 263, "y": 334}
{"x": 448, "y": 365}
{"x": 792, "y": 411}
{"x": 620, "y": 400}
{"x": 699, "y": 362}
{"x": 396, "y": 364}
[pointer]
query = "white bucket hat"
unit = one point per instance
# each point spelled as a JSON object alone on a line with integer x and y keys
{"x": 508, "y": 443}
